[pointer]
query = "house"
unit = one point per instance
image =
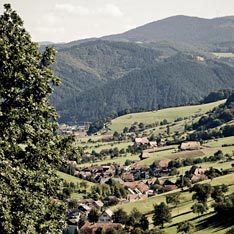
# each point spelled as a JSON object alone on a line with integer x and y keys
{"x": 128, "y": 177}
{"x": 144, "y": 155}
{"x": 142, "y": 141}
{"x": 84, "y": 209}
{"x": 163, "y": 164}
{"x": 139, "y": 166}
{"x": 73, "y": 214}
{"x": 190, "y": 145}
{"x": 151, "y": 181}
{"x": 137, "y": 187}
{"x": 200, "y": 171}
{"x": 197, "y": 178}
{"x": 170, "y": 187}
{"x": 107, "y": 138}
{"x": 136, "y": 197}
{"x": 98, "y": 204}
{"x": 91, "y": 228}
{"x": 106, "y": 216}
{"x": 153, "y": 144}
{"x": 199, "y": 175}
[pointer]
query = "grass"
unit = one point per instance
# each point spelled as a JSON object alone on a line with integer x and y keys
{"x": 224, "y": 55}
{"x": 119, "y": 160}
{"x": 170, "y": 114}
{"x": 75, "y": 180}
{"x": 204, "y": 224}
{"x": 99, "y": 146}
{"x": 146, "y": 206}
{"x": 219, "y": 142}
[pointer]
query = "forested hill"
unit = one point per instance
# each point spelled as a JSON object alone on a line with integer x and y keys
{"x": 182, "y": 29}
{"x": 178, "y": 80}
{"x": 161, "y": 64}
{"x": 88, "y": 65}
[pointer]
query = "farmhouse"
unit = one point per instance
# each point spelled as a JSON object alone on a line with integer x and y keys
{"x": 138, "y": 187}
{"x": 90, "y": 228}
{"x": 98, "y": 204}
{"x": 153, "y": 144}
{"x": 144, "y": 155}
{"x": 106, "y": 216}
{"x": 136, "y": 197}
{"x": 199, "y": 175}
{"x": 190, "y": 145}
{"x": 128, "y": 177}
{"x": 141, "y": 141}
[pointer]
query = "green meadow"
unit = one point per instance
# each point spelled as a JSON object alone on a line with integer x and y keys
{"x": 171, "y": 114}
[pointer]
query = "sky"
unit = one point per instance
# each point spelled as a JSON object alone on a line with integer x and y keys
{"x": 69, "y": 20}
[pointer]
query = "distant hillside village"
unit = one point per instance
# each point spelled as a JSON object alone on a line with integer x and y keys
{"x": 77, "y": 130}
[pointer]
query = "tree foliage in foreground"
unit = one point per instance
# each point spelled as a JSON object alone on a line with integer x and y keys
{"x": 30, "y": 151}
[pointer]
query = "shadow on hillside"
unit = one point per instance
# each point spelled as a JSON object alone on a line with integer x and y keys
{"x": 215, "y": 222}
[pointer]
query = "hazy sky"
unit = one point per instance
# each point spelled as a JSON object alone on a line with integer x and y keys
{"x": 67, "y": 20}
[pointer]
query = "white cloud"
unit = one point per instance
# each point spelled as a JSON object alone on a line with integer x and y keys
{"x": 49, "y": 19}
{"x": 65, "y": 7}
{"x": 79, "y": 10}
{"x": 107, "y": 10}
{"x": 50, "y": 30}
{"x": 111, "y": 10}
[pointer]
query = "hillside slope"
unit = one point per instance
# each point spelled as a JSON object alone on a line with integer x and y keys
{"x": 88, "y": 65}
{"x": 143, "y": 69}
{"x": 176, "y": 81}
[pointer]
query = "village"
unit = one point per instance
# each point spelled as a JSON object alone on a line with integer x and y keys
{"x": 133, "y": 182}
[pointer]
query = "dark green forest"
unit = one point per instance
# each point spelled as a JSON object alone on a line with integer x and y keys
{"x": 160, "y": 64}
{"x": 101, "y": 78}
{"x": 216, "y": 123}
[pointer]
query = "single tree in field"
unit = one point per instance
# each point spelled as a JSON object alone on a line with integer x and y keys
{"x": 30, "y": 150}
{"x": 135, "y": 217}
{"x": 202, "y": 192}
{"x": 173, "y": 199}
{"x": 218, "y": 192}
{"x": 161, "y": 214}
{"x": 199, "y": 208}
{"x": 185, "y": 227}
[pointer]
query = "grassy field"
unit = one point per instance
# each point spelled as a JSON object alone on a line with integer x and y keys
{"x": 146, "y": 206}
{"x": 99, "y": 146}
{"x": 224, "y": 55}
{"x": 170, "y": 114}
{"x": 75, "y": 180}
{"x": 204, "y": 223}
{"x": 219, "y": 142}
{"x": 120, "y": 160}
{"x": 165, "y": 153}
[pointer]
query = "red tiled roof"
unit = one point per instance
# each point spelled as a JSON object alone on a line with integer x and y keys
{"x": 90, "y": 228}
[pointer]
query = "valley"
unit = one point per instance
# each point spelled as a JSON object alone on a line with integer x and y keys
{"x": 157, "y": 176}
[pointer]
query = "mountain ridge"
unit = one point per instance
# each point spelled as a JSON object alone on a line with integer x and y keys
{"x": 101, "y": 66}
{"x": 181, "y": 29}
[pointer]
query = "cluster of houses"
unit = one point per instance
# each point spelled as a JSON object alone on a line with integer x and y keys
{"x": 77, "y": 130}
{"x": 132, "y": 176}
{"x": 105, "y": 218}
{"x": 139, "y": 179}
